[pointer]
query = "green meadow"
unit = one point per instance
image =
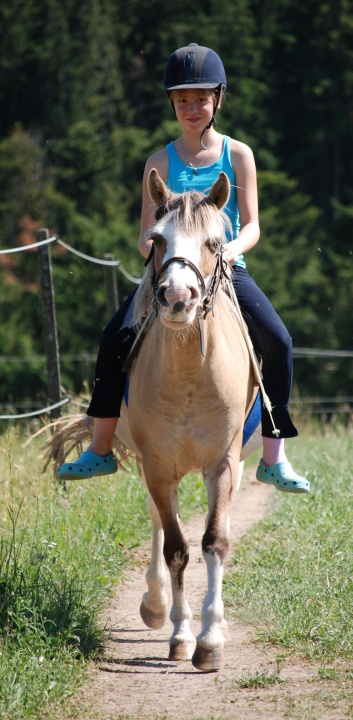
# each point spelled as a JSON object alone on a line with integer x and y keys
{"x": 292, "y": 574}
{"x": 62, "y": 551}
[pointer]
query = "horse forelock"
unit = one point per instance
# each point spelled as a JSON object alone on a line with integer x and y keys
{"x": 195, "y": 215}
{"x": 168, "y": 206}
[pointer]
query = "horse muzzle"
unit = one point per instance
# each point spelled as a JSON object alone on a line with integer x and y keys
{"x": 178, "y": 288}
{"x": 177, "y": 304}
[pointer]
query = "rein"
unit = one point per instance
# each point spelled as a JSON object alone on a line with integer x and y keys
{"x": 219, "y": 275}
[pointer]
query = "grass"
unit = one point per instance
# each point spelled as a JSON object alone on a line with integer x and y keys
{"x": 61, "y": 554}
{"x": 293, "y": 574}
{"x": 63, "y": 551}
{"x": 260, "y": 679}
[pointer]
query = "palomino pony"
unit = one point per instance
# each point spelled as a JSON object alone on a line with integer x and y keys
{"x": 190, "y": 389}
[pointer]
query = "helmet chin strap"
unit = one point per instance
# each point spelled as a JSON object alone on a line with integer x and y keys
{"x": 203, "y": 132}
{"x": 211, "y": 121}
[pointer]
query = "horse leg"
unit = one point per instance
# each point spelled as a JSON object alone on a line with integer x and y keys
{"x": 154, "y": 605}
{"x": 182, "y": 642}
{"x": 176, "y": 553}
{"x": 209, "y": 653}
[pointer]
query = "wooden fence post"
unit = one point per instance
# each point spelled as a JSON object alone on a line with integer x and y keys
{"x": 111, "y": 282}
{"x": 49, "y": 322}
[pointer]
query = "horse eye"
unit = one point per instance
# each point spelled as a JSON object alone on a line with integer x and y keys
{"x": 212, "y": 244}
{"x": 157, "y": 239}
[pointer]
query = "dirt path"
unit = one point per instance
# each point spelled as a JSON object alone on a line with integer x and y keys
{"x": 134, "y": 680}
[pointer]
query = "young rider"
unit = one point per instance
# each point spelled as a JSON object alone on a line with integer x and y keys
{"x": 195, "y": 81}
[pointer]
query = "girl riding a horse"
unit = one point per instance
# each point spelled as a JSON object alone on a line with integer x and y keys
{"x": 195, "y": 82}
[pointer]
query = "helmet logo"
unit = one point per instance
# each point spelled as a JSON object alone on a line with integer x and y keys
{"x": 189, "y": 66}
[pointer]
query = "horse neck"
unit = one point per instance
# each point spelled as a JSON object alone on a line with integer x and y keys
{"x": 183, "y": 349}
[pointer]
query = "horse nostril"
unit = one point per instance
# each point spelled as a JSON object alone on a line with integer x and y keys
{"x": 161, "y": 297}
{"x": 195, "y": 295}
{"x": 179, "y": 306}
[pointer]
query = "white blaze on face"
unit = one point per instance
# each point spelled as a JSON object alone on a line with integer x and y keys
{"x": 179, "y": 245}
{"x": 180, "y": 291}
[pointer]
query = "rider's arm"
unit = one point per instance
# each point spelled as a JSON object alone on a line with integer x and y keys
{"x": 245, "y": 171}
{"x": 159, "y": 161}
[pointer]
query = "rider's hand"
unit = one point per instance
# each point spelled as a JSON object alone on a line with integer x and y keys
{"x": 230, "y": 252}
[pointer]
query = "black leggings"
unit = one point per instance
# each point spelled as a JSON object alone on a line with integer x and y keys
{"x": 109, "y": 382}
{"x": 268, "y": 333}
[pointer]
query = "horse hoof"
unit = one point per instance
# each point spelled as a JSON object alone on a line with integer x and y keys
{"x": 208, "y": 660}
{"x": 154, "y": 620}
{"x": 181, "y": 651}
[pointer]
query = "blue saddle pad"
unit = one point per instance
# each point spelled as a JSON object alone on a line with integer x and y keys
{"x": 251, "y": 423}
{"x": 253, "y": 419}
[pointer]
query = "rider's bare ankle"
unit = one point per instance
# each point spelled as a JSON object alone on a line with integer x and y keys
{"x": 101, "y": 449}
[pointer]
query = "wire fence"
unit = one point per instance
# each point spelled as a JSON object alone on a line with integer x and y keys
{"x": 331, "y": 405}
{"x": 311, "y": 405}
{"x": 97, "y": 261}
{"x": 308, "y": 405}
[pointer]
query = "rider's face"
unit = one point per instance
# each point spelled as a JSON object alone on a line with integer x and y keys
{"x": 194, "y": 108}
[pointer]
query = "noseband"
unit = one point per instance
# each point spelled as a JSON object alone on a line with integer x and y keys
{"x": 208, "y": 290}
{"x": 219, "y": 276}
{"x": 156, "y": 276}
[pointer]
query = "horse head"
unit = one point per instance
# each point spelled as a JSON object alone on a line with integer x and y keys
{"x": 187, "y": 238}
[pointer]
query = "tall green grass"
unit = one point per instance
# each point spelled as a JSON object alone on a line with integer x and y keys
{"x": 293, "y": 574}
{"x": 61, "y": 553}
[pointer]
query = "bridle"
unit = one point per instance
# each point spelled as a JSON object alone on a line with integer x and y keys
{"x": 209, "y": 289}
{"x": 220, "y": 276}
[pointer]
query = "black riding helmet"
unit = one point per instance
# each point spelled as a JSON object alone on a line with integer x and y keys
{"x": 195, "y": 66}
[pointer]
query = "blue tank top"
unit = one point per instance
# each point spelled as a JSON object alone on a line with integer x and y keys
{"x": 181, "y": 178}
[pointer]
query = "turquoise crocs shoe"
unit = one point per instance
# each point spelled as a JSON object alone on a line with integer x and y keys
{"x": 283, "y": 477}
{"x": 88, "y": 465}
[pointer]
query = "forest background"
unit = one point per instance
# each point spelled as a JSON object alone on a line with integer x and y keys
{"x": 83, "y": 106}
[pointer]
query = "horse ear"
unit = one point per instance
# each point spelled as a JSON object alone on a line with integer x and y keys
{"x": 157, "y": 189}
{"x": 220, "y": 191}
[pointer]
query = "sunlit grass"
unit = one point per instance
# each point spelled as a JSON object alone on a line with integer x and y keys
{"x": 62, "y": 551}
{"x": 260, "y": 679}
{"x": 293, "y": 572}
